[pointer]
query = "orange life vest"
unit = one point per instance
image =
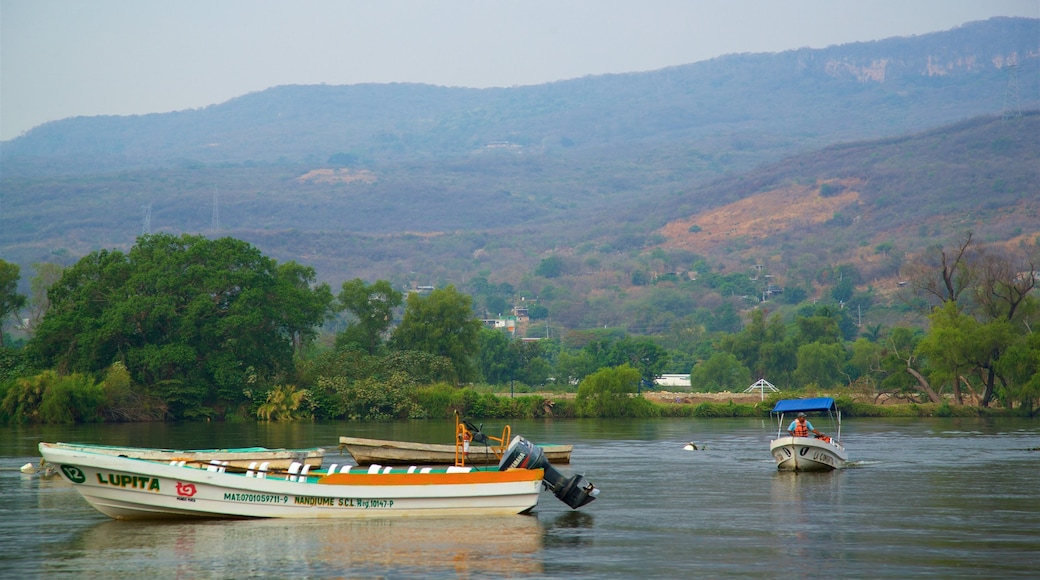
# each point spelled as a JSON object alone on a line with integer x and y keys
{"x": 801, "y": 429}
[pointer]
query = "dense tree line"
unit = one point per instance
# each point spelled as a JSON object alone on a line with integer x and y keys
{"x": 188, "y": 328}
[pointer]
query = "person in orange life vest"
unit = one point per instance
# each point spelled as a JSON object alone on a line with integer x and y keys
{"x": 801, "y": 427}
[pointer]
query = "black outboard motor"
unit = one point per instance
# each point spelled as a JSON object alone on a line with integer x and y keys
{"x": 575, "y": 491}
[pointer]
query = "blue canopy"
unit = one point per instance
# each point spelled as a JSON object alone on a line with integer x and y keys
{"x": 817, "y": 404}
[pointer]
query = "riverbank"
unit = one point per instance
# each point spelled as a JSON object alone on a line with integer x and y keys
{"x": 686, "y": 403}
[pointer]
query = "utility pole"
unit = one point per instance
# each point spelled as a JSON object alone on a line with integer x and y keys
{"x": 146, "y": 226}
{"x": 214, "y": 224}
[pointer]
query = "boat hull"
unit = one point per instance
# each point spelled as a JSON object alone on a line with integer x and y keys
{"x": 130, "y": 488}
{"x": 240, "y": 457}
{"x": 384, "y": 452}
{"x": 807, "y": 454}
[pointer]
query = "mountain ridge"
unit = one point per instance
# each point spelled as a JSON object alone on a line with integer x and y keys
{"x": 608, "y": 172}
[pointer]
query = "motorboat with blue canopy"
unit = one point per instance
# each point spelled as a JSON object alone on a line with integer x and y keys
{"x": 802, "y": 446}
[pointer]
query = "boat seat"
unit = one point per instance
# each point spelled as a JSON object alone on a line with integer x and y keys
{"x": 262, "y": 470}
{"x": 411, "y": 469}
{"x": 294, "y": 468}
{"x": 426, "y": 470}
{"x": 332, "y": 469}
{"x": 374, "y": 468}
{"x": 387, "y": 469}
{"x": 345, "y": 469}
{"x": 457, "y": 469}
{"x": 303, "y": 473}
{"x": 250, "y": 471}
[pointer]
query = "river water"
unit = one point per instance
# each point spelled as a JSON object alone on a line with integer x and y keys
{"x": 945, "y": 498}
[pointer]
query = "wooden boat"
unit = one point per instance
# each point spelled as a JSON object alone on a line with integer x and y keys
{"x": 125, "y": 487}
{"x": 472, "y": 447}
{"x": 235, "y": 457}
{"x": 384, "y": 452}
{"x": 817, "y": 453}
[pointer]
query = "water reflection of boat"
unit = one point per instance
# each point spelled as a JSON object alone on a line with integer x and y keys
{"x": 497, "y": 546}
{"x": 800, "y": 452}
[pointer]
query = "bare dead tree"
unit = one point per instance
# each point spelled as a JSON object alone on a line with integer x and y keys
{"x": 941, "y": 274}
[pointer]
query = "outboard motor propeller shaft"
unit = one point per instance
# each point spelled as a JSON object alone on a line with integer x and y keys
{"x": 574, "y": 491}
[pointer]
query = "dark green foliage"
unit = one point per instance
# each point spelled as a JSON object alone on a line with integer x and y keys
{"x": 372, "y": 307}
{"x": 537, "y": 312}
{"x": 442, "y": 324}
{"x": 444, "y": 401}
{"x": 721, "y": 372}
{"x": 551, "y": 267}
{"x": 50, "y": 398}
{"x": 724, "y": 410}
{"x": 12, "y": 363}
{"x": 611, "y": 392}
{"x": 830, "y": 189}
{"x": 10, "y": 300}
{"x": 351, "y": 383}
{"x": 193, "y": 320}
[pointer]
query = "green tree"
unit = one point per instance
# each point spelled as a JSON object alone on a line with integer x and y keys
{"x": 609, "y": 393}
{"x": 10, "y": 300}
{"x": 721, "y": 372}
{"x": 902, "y": 368}
{"x": 1021, "y": 365}
{"x": 495, "y": 358}
{"x": 763, "y": 347}
{"x": 843, "y": 290}
{"x": 304, "y": 304}
{"x": 551, "y": 267}
{"x": 820, "y": 326}
{"x": 820, "y": 363}
{"x": 441, "y": 323}
{"x": 532, "y": 368}
{"x": 642, "y": 354}
{"x": 572, "y": 367}
{"x": 47, "y": 275}
{"x": 865, "y": 362}
{"x": 957, "y": 344}
{"x": 373, "y": 308}
{"x": 195, "y": 321}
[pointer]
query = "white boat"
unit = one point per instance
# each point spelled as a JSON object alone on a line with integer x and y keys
{"x": 235, "y": 457}
{"x": 125, "y": 487}
{"x": 820, "y": 452}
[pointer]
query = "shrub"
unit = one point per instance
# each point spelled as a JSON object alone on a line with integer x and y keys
{"x": 609, "y": 393}
{"x": 52, "y": 398}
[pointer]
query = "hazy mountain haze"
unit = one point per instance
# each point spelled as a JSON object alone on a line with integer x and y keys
{"x": 62, "y": 58}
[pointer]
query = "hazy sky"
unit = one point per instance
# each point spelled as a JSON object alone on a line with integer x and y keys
{"x": 64, "y": 58}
